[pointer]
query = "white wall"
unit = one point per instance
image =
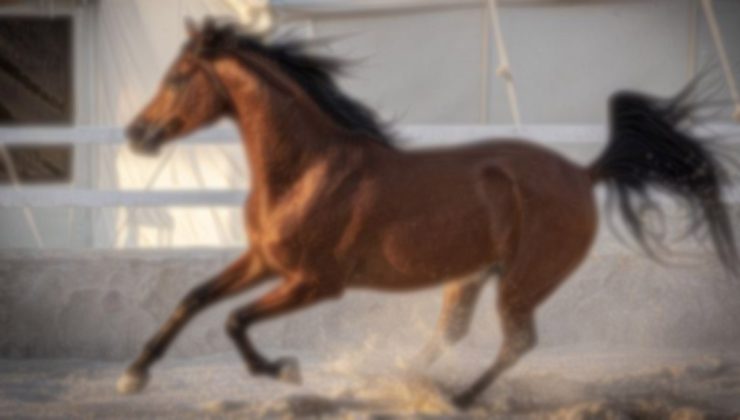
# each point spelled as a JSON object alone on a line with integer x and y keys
{"x": 423, "y": 66}
{"x": 105, "y": 304}
{"x": 567, "y": 58}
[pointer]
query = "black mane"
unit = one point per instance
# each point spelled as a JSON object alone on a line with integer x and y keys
{"x": 313, "y": 73}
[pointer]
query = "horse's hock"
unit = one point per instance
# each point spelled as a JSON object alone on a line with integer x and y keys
{"x": 104, "y": 304}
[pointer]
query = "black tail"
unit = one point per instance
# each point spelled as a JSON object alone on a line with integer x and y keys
{"x": 648, "y": 148}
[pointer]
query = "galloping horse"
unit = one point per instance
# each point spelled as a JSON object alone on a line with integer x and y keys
{"x": 334, "y": 205}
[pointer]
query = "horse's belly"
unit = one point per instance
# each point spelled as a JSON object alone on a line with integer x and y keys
{"x": 430, "y": 249}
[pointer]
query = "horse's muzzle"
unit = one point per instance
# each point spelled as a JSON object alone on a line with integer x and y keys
{"x": 145, "y": 137}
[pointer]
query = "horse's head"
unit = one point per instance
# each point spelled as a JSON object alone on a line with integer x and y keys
{"x": 190, "y": 96}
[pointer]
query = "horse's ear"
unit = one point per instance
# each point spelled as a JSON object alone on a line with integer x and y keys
{"x": 191, "y": 27}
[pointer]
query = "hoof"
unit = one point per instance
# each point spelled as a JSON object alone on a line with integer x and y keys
{"x": 132, "y": 382}
{"x": 288, "y": 370}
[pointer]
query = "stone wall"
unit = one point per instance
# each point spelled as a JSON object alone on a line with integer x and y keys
{"x": 104, "y": 304}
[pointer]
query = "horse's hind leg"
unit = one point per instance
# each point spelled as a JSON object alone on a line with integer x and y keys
{"x": 248, "y": 271}
{"x": 531, "y": 278}
{"x": 519, "y": 336}
{"x": 458, "y": 306}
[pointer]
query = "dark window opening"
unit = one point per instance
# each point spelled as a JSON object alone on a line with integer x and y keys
{"x": 39, "y": 164}
{"x": 36, "y": 73}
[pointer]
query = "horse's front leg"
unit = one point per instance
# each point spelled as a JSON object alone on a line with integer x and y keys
{"x": 294, "y": 293}
{"x": 246, "y": 272}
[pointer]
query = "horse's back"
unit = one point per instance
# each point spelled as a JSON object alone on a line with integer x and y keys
{"x": 443, "y": 213}
{"x": 539, "y": 175}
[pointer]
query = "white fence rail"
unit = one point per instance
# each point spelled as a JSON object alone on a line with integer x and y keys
{"x": 411, "y": 136}
{"x": 56, "y": 197}
{"x": 581, "y": 143}
{"x": 417, "y": 134}
{"x": 44, "y": 136}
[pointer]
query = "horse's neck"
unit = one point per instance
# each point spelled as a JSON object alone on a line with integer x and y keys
{"x": 284, "y": 137}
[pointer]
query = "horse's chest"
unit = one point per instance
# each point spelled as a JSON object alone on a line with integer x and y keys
{"x": 291, "y": 228}
{"x": 278, "y": 232}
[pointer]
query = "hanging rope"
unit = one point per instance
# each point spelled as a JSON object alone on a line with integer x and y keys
{"x": 504, "y": 68}
{"x": 484, "y": 64}
{"x": 693, "y": 26}
{"x": 722, "y": 53}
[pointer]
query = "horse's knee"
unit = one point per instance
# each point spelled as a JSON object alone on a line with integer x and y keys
{"x": 197, "y": 298}
{"x": 152, "y": 350}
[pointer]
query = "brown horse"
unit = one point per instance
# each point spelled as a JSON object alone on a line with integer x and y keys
{"x": 334, "y": 205}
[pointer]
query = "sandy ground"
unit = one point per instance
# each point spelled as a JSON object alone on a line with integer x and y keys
{"x": 550, "y": 383}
